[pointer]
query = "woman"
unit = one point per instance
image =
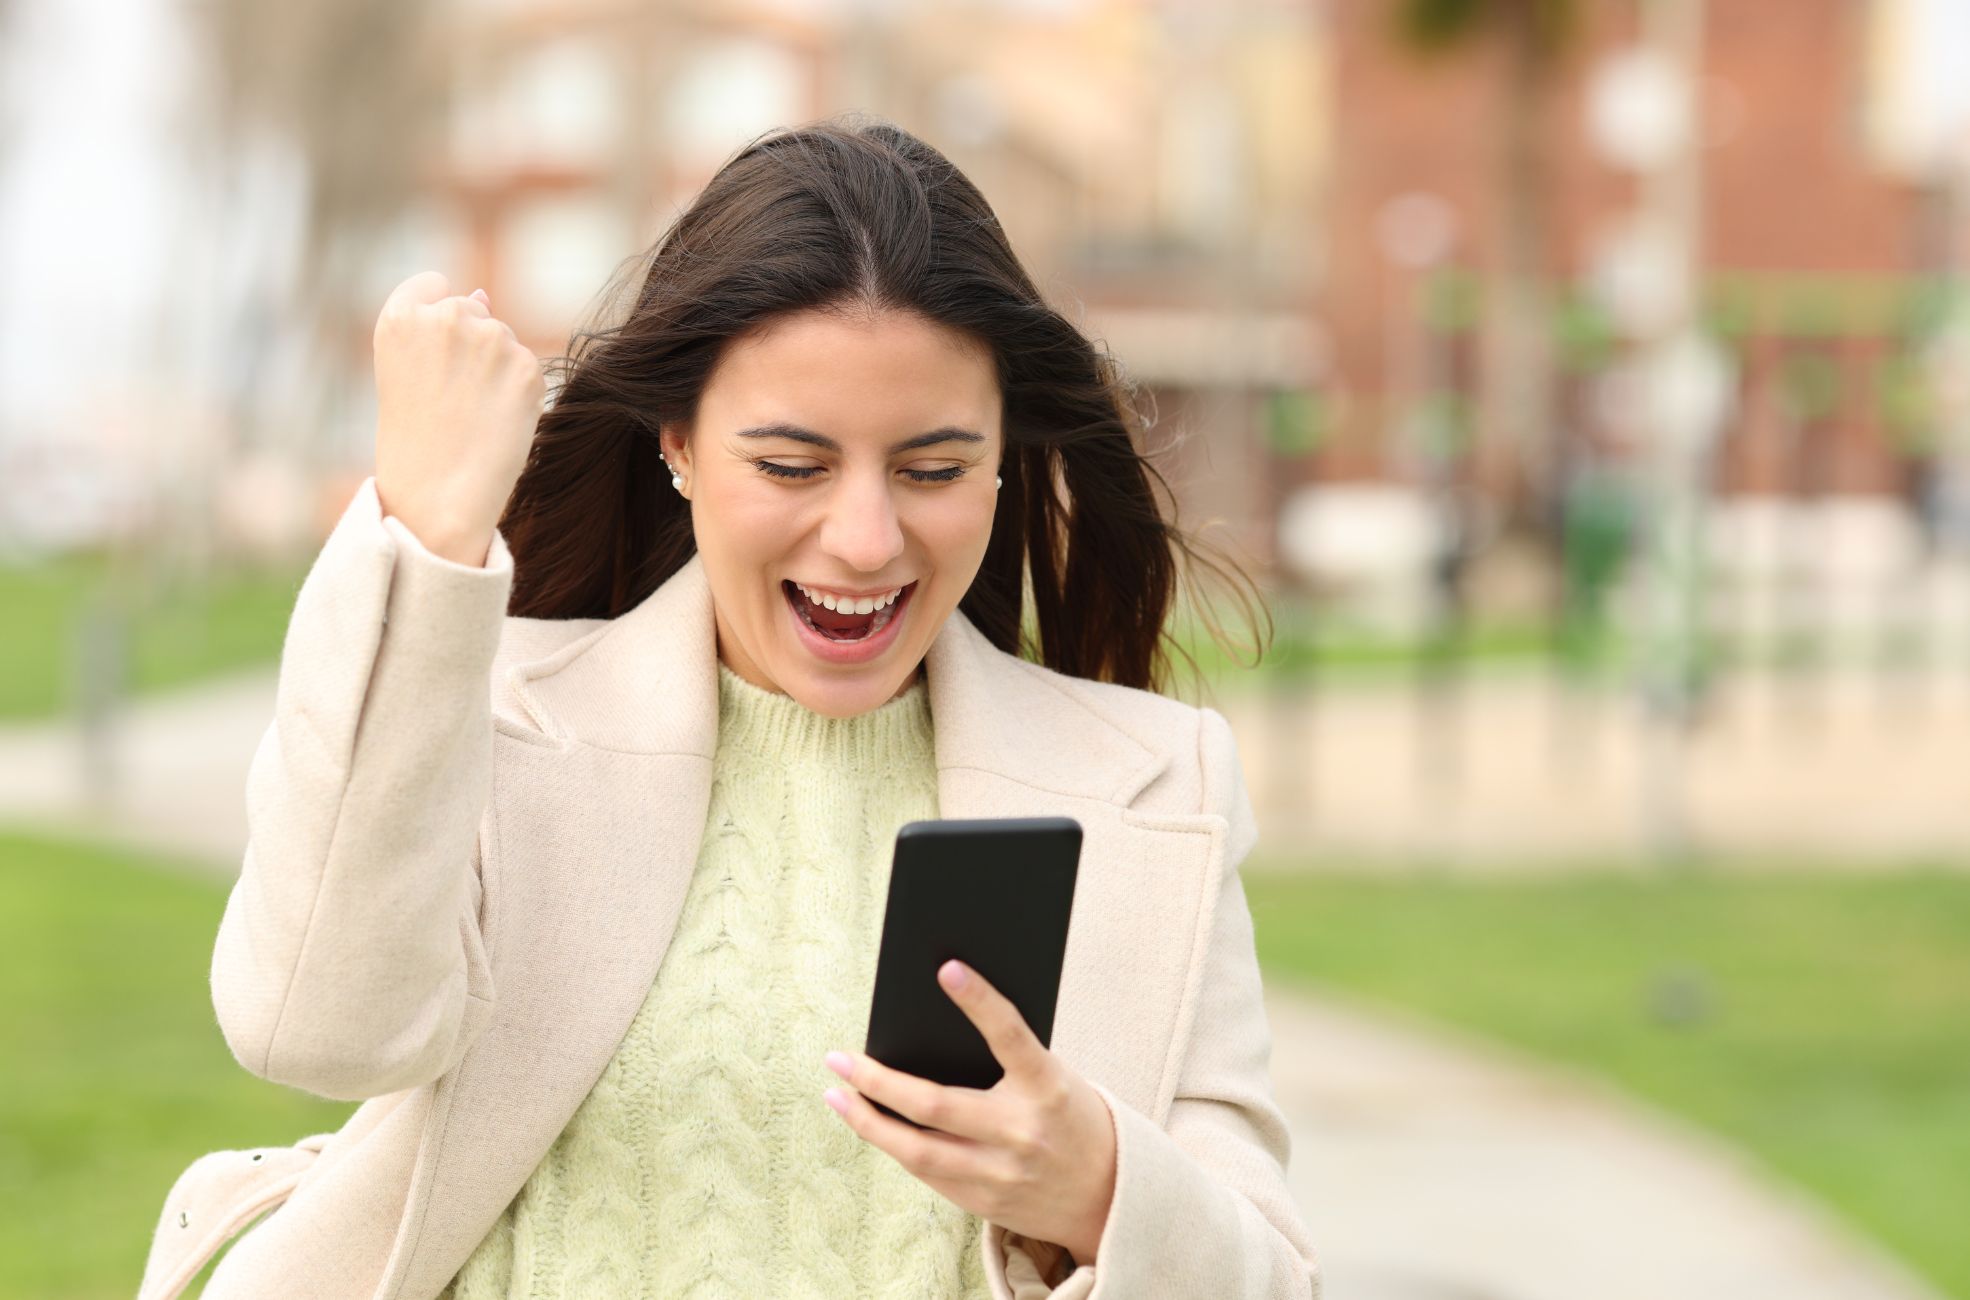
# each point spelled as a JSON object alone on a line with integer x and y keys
{"x": 592, "y": 945}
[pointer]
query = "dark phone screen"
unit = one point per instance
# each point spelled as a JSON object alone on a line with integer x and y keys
{"x": 996, "y": 893}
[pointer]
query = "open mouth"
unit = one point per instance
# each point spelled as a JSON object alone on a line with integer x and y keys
{"x": 837, "y": 626}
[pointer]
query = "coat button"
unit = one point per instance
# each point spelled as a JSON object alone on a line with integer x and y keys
{"x": 184, "y": 1220}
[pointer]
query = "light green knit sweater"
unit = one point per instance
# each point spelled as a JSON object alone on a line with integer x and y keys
{"x": 704, "y": 1162}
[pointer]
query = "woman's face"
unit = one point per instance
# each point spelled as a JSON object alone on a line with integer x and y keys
{"x": 854, "y": 457}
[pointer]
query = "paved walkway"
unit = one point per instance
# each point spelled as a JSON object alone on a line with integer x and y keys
{"x": 1429, "y": 1166}
{"x": 1432, "y": 1166}
{"x": 1518, "y": 772}
{"x": 177, "y": 776}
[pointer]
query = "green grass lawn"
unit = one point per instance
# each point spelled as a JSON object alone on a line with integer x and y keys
{"x": 1834, "y": 1042}
{"x": 1823, "y": 1022}
{"x": 179, "y": 631}
{"x": 114, "y": 1074}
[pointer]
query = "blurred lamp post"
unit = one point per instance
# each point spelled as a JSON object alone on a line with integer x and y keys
{"x": 1642, "y": 115}
{"x": 1417, "y": 231}
{"x": 1946, "y": 362}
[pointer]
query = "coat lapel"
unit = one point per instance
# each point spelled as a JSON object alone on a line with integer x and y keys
{"x": 597, "y": 816}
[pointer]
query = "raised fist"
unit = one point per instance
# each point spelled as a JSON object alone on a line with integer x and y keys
{"x": 458, "y": 398}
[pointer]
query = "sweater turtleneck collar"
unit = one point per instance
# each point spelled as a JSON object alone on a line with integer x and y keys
{"x": 758, "y": 721}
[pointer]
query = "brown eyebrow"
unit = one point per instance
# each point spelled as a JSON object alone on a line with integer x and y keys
{"x": 949, "y": 433}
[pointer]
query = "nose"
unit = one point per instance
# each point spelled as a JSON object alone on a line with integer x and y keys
{"x": 861, "y": 529}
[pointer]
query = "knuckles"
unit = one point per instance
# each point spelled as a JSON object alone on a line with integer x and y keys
{"x": 935, "y": 1110}
{"x": 1006, "y": 1188}
{"x": 1024, "y": 1139}
{"x": 433, "y": 333}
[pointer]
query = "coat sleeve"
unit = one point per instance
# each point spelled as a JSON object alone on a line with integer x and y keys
{"x": 1201, "y": 1205}
{"x": 349, "y": 961}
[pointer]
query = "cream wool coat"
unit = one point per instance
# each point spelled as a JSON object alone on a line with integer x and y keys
{"x": 470, "y": 836}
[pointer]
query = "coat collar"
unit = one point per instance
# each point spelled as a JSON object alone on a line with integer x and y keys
{"x": 647, "y": 683}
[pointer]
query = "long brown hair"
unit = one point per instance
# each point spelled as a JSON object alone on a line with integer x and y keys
{"x": 854, "y": 212}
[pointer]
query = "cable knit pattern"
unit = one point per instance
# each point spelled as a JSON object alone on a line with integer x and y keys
{"x": 704, "y": 1163}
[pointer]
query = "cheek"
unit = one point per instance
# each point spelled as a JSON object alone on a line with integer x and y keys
{"x": 745, "y": 537}
{"x": 971, "y": 528}
{"x": 744, "y": 524}
{"x": 956, "y": 535}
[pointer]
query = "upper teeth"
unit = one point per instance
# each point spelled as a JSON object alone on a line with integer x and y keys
{"x": 849, "y": 605}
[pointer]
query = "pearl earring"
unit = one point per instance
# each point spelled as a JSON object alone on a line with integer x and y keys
{"x": 998, "y": 481}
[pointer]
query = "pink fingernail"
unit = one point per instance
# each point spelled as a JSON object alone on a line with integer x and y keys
{"x": 833, "y": 1097}
{"x": 839, "y": 1063}
{"x": 953, "y": 973}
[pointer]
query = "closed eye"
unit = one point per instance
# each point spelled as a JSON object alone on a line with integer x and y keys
{"x": 944, "y": 475}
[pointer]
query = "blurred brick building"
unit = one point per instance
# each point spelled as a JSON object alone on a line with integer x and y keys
{"x": 1815, "y": 241}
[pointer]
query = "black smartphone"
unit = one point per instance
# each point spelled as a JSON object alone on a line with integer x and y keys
{"x": 997, "y": 893}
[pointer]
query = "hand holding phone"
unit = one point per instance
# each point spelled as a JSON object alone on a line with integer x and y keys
{"x": 997, "y": 894}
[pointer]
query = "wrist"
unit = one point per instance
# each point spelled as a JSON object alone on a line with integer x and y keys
{"x": 447, "y": 537}
{"x": 469, "y": 549}
{"x": 1085, "y": 1242}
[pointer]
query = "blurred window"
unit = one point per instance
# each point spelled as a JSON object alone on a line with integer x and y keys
{"x": 728, "y": 92}
{"x": 556, "y": 105}
{"x": 556, "y": 253}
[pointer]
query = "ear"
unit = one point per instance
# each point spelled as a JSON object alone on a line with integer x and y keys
{"x": 676, "y": 444}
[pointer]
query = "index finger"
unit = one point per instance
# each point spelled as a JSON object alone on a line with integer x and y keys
{"x": 1012, "y": 1040}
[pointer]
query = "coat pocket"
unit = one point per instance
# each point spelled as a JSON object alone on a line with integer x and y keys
{"x": 218, "y": 1195}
